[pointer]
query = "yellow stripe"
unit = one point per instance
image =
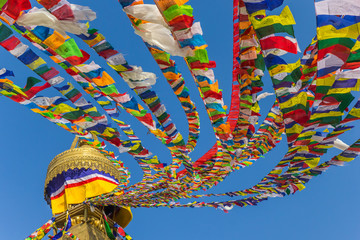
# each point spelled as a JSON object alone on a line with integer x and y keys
{"x": 327, "y": 81}
{"x": 301, "y": 98}
{"x": 79, "y": 194}
{"x": 119, "y": 68}
{"x": 284, "y": 68}
{"x": 329, "y": 31}
{"x": 355, "y": 112}
{"x": 37, "y": 63}
{"x": 96, "y": 40}
{"x": 322, "y": 115}
{"x": 344, "y": 159}
{"x": 306, "y": 134}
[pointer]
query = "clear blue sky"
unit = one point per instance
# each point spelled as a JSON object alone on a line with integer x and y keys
{"x": 327, "y": 209}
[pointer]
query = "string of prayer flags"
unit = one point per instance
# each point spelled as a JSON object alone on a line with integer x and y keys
{"x": 312, "y": 102}
{"x": 42, "y": 231}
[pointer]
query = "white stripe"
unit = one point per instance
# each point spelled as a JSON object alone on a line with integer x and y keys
{"x": 206, "y": 73}
{"x": 330, "y": 61}
{"x": 336, "y": 7}
{"x": 161, "y": 110}
{"x": 147, "y": 12}
{"x": 355, "y": 73}
{"x": 55, "y": 80}
{"x": 85, "y": 68}
{"x": 19, "y": 50}
{"x": 189, "y": 33}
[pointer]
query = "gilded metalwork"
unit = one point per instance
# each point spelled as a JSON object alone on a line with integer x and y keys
{"x": 83, "y": 157}
{"x": 88, "y": 158}
{"x": 86, "y": 223}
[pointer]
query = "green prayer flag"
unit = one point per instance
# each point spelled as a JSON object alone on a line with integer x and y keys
{"x": 31, "y": 81}
{"x": 69, "y": 49}
{"x": 108, "y": 230}
{"x": 347, "y": 42}
{"x": 176, "y": 10}
{"x": 200, "y": 55}
{"x": 109, "y": 89}
{"x": 73, "y": 115}
{"x": 275, "y": 28}
{"x": 2, "y": 3}
{"x": 5, "y": 32}
{"x": 92, "y": 30}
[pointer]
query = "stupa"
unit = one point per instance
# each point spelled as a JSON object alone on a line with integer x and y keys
{"x": 75, "y": 176}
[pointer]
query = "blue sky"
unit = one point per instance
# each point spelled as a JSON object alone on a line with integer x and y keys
{"x": 327, "y": 209}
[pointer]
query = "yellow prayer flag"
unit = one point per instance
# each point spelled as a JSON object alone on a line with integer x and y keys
{"x": 285, "y": 18}
{"x": 297, "y": 128}
{"x": 119, "y": 68}
{"x": 255, "y": 108}
{"x": 301, "y": 98}
{"x": 323, "y": 115}
{"x": 33, "y": 37}
{"x": 329, "y": 31}
{"x": 344, "y": 159}
{"x": 63, "y": 108}
{"x": 313, "y": 162}
{"x": 96, "y": 40}
{"x": 37, "y": 63}
{"x": 284, "y": 68}
{"x": 300, "y": 186}
{"x": 355, "y": 112}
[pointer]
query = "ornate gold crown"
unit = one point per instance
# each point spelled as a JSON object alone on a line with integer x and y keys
{"x": 88, "y": 158}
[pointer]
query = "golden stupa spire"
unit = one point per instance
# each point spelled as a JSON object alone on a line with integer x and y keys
{"x": 76, "y": 175}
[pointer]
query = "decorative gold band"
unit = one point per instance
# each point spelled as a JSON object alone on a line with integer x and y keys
{"x": 83, "y": 157}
